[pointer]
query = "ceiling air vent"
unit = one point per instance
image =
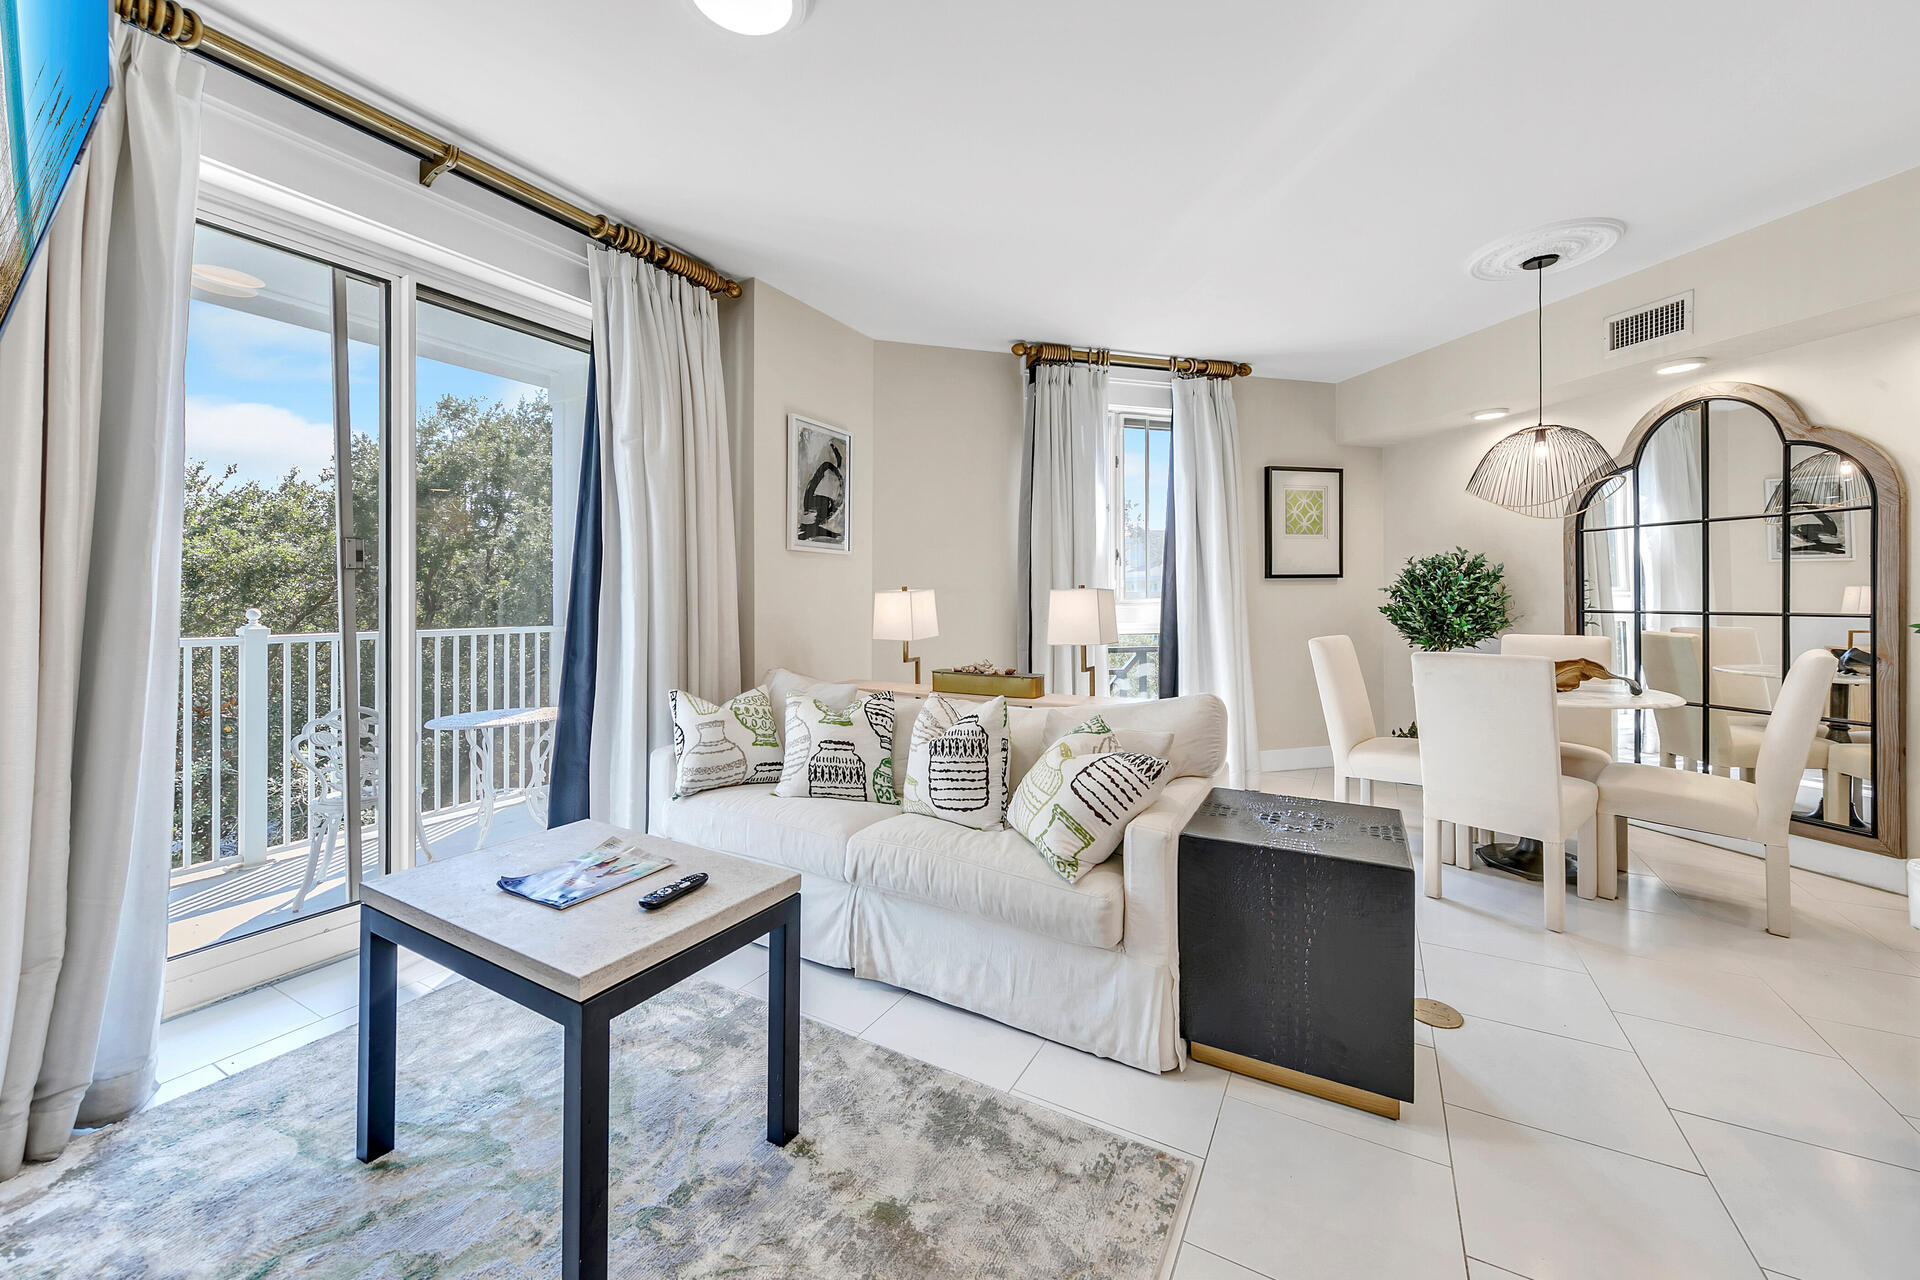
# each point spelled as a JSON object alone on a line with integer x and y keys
{"x": 1667, "y": 318}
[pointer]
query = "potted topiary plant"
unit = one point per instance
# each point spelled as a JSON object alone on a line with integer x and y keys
{"x": 1450, "y": 600}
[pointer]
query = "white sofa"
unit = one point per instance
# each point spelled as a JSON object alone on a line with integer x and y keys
{"x": 976, "y": 918}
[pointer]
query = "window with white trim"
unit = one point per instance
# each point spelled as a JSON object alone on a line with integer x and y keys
{"x": 1141, "y": 449}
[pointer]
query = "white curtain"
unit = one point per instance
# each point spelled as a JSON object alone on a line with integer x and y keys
{"x": 91, "y": 459}
{"x": 1064, "y": 533}
{"x": 1671, "y": 489}
{"x": 1210, "y": 584}
{"x": 669, "y": 607}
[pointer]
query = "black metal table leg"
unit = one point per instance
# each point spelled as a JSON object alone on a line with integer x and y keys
{"x": 379, "y": 965}
{"x": 583, "y": 1212}
{"x": 783, "y": 1027}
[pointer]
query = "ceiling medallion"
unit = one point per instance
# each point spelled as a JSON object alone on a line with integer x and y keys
{"x": 1574, "y": 241}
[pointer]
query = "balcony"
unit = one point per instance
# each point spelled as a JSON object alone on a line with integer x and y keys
{"x": 245, "y": 810}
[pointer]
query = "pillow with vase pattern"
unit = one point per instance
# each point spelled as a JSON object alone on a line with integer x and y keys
{"x": 839, "y": 753}
{"x": 958, "y": 761}
{"x": 1075, "y": 803}
{"x": 728, "y": 745}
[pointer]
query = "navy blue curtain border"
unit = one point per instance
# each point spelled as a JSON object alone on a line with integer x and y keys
{"x": 570, "y": 769}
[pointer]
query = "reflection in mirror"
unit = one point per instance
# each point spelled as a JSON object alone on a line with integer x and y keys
{"x": 1742, "y": 660}
{"x": 1670, "y": 567}
{"x": 1669, "y": 470}
{"x": 1609, "y": 570}
{"x": 1741, "y": 578}
{"x": 1743, "y": 458}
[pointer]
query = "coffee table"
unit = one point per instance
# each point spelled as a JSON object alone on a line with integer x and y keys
{"x": 582, "y": 967}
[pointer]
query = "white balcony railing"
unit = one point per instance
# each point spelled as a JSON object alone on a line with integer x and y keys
{"x": 245, "y": 698}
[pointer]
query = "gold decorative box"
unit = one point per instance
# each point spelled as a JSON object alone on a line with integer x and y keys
{"x": 989, "y": 686}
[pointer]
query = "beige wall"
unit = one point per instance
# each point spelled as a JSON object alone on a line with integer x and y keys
{"x": 1867, "y": 382}
{"x": 948, "y": 427}
{"x": 1285, "y": 423}
{"x": 799, "y": 609}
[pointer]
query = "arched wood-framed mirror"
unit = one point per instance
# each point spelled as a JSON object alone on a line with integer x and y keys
{"x": 1742, "y": 536}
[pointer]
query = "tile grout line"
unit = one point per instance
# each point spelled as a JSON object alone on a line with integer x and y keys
{"x": 1817, "y": 1146}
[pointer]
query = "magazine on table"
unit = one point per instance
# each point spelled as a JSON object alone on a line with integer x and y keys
{"x": 614, "y": 863}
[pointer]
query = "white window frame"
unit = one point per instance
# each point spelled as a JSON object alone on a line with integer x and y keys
{"x": 233, "y": 200}
{"x": 1134, "y": 614}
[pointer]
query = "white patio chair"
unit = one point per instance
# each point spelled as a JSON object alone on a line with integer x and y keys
{"x": 321, "y": 749}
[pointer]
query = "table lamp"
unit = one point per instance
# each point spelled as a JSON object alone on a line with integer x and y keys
{"x": 1082, "y": 616}
{"x": 905, "y": 615}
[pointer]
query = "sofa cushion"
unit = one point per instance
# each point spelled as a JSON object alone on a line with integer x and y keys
{"x": 843, "y": 753}
{"x": 958, "y": 763}
{"x": 1197, "y": 721}
{"x": 804, "y": 835}
{"x": 991, "y": 874}
{"x": 722, "y": 746}
{"x": 782, "y": 684}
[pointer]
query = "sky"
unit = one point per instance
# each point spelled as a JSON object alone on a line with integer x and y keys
{"x": 60, "y": 47}
{"x": 260, "y": 392}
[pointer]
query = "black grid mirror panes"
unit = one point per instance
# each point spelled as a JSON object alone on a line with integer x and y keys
{"x": 1740, "y": 578}
{"x": 1672, "y": 568}
{"x": 1669, "y": 469}
{"x": 1607, "y": 559}
{"x": 1743, "y": 456}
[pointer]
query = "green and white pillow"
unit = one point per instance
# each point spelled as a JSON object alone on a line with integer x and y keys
{"x": 843, "y": 753}
{"x": 958, "y": 761}
{"x": 722, "y": 746}
{"x": 1075, "y": 803}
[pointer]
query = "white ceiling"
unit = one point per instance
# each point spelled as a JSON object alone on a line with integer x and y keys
{"x": 1295, "y": 183}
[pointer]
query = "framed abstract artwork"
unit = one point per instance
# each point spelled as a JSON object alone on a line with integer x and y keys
{"x": 819, "y": 487}
{"x": 1305, "y": 522}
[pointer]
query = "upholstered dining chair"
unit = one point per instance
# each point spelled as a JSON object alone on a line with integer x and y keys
{"x": 1359, "y": 751}
{"x": 1670, "y": 661}
{"x": 1490, "y": 739}
{"x": 1586, "y": 736}
{"x": 1757, "y": 813}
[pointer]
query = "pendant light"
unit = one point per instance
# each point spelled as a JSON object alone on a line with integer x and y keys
{"x": 1544, "y": 470}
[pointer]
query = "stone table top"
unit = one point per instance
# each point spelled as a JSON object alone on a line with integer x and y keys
{"x": 589, "y": 947}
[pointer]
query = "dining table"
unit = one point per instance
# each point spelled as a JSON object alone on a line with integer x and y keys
{"x": 1837, "y": 700}
{"x": 1523, "y": 857}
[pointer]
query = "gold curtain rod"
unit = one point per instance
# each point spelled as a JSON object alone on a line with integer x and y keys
{"x": 1059, "y": 353}
{"x": 173, "y": 21}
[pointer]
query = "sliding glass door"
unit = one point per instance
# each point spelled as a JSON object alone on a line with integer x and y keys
{"x": 500, "y": 407}
{"x": 283, "y": 502}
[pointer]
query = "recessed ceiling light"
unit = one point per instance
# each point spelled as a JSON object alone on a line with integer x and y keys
{"x": 1490, "y": 415}
{"x": 1679, "y": 366}
{"x": 755, "y": 17}
{"x": 225, "y": 281}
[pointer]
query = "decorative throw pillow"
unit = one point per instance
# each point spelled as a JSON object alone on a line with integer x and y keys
{"x": 722, "y": 746}
{"x": 958, "y": 761}
{"x": 1075, "y": 803}
{"x": 843, "y": 753}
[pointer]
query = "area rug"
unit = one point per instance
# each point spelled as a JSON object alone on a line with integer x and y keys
{"x": 901, "y": 1169}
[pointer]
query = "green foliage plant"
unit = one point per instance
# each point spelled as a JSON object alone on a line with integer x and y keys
{"x": 1450, "y": 600}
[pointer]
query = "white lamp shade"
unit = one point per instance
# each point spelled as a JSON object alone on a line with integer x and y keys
{"x": 1082, "y": 615}
{"x": 1857, "y": 600}
{"x": 906, "y": 614}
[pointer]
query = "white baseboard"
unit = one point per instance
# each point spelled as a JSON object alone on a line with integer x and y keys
{"x": 1874, "y": 870}
{"x": 1286, "y": 759}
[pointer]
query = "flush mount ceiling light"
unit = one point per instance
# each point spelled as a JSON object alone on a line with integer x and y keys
{"x": 1680, "y": 366}
{"x": 225, "y": 281}
{"x": 1491, "y": 415}
{"x": 1547, "y": 471}
{"x": 754, "y": 17}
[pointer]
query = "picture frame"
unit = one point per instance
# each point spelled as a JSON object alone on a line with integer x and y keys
{"x": 819, "y": 487}
{"x": 1305, "y": 522}
{"x": 1815, "y": 533}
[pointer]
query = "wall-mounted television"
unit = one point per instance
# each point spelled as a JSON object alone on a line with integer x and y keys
{"x": 53, "y": 77}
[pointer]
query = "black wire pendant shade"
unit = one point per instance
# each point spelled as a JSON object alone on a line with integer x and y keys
{"x": 1546, "y": 471}
{"x": 1824, "y": 481}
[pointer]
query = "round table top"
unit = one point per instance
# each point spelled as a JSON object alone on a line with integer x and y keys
{"x": 1773, "y": 673}
{"x": 495, "y": 718}
{"x": 1610, "y": 695}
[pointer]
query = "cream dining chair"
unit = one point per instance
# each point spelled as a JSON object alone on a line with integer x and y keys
{"x": 1757, "y": 813}
{"x": 1490, "y": 739}
{"x": 1359, "y": 752}
{"x": 1586, "y": 736}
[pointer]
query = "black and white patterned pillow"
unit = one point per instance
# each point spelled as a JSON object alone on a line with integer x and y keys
{"x": 958, "y": 761}
{"x": 839, "y": 753}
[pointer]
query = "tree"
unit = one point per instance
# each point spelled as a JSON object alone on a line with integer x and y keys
{"x": 484, "y": 551}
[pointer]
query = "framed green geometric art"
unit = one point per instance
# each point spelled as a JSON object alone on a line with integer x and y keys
{"x": 1304, "y": 522}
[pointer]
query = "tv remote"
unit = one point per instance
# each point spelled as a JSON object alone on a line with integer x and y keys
{"x": 678, "y": 889}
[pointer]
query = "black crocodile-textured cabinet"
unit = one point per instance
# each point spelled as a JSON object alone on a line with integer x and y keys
{"x": 1297, "y": 936}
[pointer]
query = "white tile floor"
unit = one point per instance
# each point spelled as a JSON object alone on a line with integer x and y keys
{"x": 1665, "y": 1090}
